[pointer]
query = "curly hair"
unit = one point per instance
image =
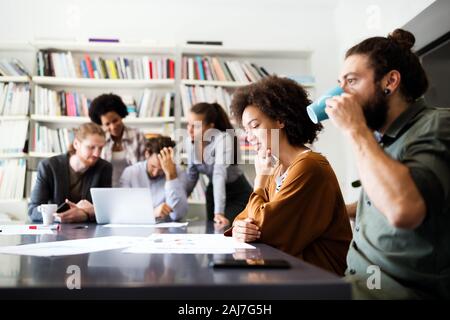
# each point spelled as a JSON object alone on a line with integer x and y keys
{"x": 280, "y": 99}
{"x": 156, "y": 144}
{"x": 106, "y": 103}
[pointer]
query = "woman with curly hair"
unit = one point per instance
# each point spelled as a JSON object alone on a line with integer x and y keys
{"x": 296, "y": 204}
{"x": 124, "y": 146}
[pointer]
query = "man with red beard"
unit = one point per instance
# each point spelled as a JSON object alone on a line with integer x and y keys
{"x": 69, "y": 177}
{"x": 400, "y": 247}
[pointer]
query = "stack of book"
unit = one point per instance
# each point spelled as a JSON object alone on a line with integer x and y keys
{"x": 12, "y": 68}
{"x": 14, "y": 99}
{"x": 191, "y": 95}
{"x": 12, "y": 178}
{"x": 218, "y": 69}
{"x": 64, "y": 64}
{"x": 13, "y": 135}
{"x": 156, "y": 104}
{"x": 63, "y": 103}
{"x": 47, "y": 140}
{"x": 60, "y": 103}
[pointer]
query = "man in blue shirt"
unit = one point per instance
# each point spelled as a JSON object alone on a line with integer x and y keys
{"x": 165, "y": 180}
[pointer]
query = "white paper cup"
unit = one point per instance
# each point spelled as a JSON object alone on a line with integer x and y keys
{"x": 47, "y": 211}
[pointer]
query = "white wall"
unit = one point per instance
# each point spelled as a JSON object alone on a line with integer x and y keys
{"x": 325, "y": 26}
{"x": 431, "y": 23}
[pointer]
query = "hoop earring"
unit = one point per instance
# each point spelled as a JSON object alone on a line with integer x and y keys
{"x": 387, "y": 92}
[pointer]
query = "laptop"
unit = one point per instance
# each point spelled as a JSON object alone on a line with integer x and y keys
{"x": 123, "y": 205}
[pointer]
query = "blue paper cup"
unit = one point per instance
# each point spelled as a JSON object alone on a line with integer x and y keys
{"x": 316, "y": 110}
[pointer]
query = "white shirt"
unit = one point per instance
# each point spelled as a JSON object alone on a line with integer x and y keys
{"x": 119, "y": 163}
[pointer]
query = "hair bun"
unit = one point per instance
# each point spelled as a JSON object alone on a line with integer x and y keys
{"x": 403, "y": 38}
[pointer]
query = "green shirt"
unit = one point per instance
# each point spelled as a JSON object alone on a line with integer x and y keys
{"x": 413, "y": 263}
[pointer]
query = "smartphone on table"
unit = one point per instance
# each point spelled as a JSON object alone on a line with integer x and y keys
{"x": 63, "y": 207}
{"x": 251, "y": 263}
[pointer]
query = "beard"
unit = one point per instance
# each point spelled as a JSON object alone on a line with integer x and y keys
{"x": 156, "y": 177}
{"x": 88, "y": 162}
{"x": 375, "y": 110}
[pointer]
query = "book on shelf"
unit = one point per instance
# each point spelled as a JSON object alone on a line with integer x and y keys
{"x": 191, "y": 95}
{"x": 60, "y": 103}
{"x": 47, "y": 140}
{"x": 156, "y": 104}
{"x": 50, "y": 102}
{"x": 218, "y": 69}
{"x": 13, "y": 136}
{"x": 12, "y": 68}
{"x": 14, "y": 98}
{"x": 12, "y": 178}
{"x": 68, "y": 65}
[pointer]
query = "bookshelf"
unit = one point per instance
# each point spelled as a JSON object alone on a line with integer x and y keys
{"x": 124, "y": 85}
{"x": 107, "y": 47}
{"x": 240, "y": 66}
{"x": 227, "y": 84}
{"x": 81, "y": 120}
{"x": 15, "y": 155}
{"x": 18, "y": 79}
{"x": 103, "y": 83}
{"x": 284, "y": 62}
{"x": 292, "y": 63}
{"x": 39, "y": 155}
{"x": 85, "y": 70}
{"x": 13, "y": 118}
{"x": 15, "y": 99}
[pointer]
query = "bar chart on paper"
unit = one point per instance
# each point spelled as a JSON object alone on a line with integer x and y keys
{"x": 188, "y": 244}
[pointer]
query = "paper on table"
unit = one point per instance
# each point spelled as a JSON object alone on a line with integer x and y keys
{"x": 157, "y": 225}
{"x": 21, "y": 229}
{"x": 71, "y": 247}
{"x": 188, "y": 244}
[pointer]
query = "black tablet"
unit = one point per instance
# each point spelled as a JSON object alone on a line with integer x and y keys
{"x": 251, "y": 263}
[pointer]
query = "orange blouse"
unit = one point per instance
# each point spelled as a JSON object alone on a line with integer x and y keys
{"x": 307, "y": 217}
